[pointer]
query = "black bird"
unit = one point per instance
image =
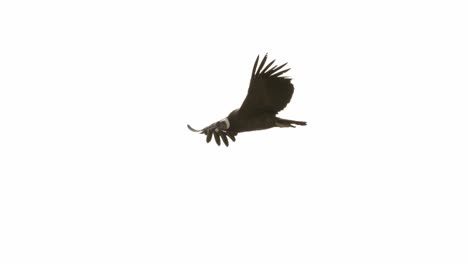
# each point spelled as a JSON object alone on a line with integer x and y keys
{"x": 269, "y": 93}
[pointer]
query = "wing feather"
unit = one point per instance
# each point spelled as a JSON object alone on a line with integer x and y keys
{"x": 216, "y": 136}
{"x": 275, "y": 69}
{"x": 225, "y": 140}
{"x": 268, "y": 66}
{"x": 261, "y": 65}
{"x": 279, "y": 73}
{"x": 268, "y": 91}
{"x": 255, "y": 66}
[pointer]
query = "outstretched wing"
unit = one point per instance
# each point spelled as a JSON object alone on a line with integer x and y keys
{"x": 218, "y": 134}
{"x": 268, "y": 90}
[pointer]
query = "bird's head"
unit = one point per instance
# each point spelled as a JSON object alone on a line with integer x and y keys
{"x": 219, "y": 130}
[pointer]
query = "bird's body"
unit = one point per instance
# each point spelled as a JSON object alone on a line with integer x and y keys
{"x": 268, "y": 93}
{"x": 240, "y": 123}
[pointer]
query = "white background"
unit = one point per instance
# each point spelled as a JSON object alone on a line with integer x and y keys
{"x": 97, "y": 165}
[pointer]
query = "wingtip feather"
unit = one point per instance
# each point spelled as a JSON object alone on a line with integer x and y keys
{"x": 261, "y": 64}
{"x": 255, "y": 66}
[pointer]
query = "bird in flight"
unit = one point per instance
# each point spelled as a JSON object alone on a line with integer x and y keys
{"x": 269, "y": 93}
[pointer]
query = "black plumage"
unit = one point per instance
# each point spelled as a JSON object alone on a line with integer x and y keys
{"x": 269, "y": 93}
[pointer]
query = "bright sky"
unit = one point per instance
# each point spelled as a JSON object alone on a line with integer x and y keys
{"x": 97, "y": 165}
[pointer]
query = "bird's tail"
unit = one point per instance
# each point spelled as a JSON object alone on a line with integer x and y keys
{"x": 288, "y": 123}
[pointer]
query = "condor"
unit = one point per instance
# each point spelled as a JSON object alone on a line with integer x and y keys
{"x": 269, "y": 93}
